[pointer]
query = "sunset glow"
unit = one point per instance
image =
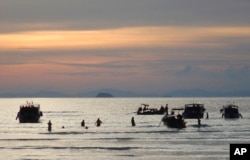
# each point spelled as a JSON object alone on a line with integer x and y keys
{"x": 142, "y": 46}
{"x": 119, "y": 38}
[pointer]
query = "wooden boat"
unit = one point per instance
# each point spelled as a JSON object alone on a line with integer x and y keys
{"x": 144, "y": 110}
{"x": 173, "y": 121}
{"x": 29, "y": 113}
{"x": 230, "y": 111}
{"x": 193, "y": 111}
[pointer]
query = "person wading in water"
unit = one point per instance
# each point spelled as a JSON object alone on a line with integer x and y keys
{"x": 98, "y": 122}
{"x": 133, "y": 122}
{"x": 49, "y": 126}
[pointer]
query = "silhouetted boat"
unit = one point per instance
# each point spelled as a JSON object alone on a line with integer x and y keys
{"x": 29, "y": 113}
{"x": 193, "y": 111}
{"x": 151, "y": 111}
{"x": 173, "y": 121}
{"x": 230, "y": 111}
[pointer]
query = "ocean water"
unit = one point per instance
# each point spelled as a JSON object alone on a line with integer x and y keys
{"x": 116, "y": 139}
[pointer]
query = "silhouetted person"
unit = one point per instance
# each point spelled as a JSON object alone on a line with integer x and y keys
{"x": 207, "y": 116}
{"x": 179, "y": 117}
{"x": 172, "y": 112}
{"x": 166, "y": 109}
{"x": 139, "y": 110}
{"x": 133, "y": 121}
{"x": 162, "y": 109}
{"x": 98, "y": 122}
{"x": 240, "y": 115}
{"x": 17, "y": 116}
{"x": 199, "y": 122}
{"x": 83, "y": 123}
{"x": 49, "y": 126}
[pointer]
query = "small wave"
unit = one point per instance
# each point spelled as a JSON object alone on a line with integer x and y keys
{"x": 64, "y": 133}
{"x": 116, "y": 139}
{"x": 124, "y": 139}
{"x": 28, "y": 139}
{"x": 122, "y": 155}
{"x": 75, "y": 148}
{"x": 200, "y": 126}
{"x": 114, "y": 132}
{"x": 61, "y": 112}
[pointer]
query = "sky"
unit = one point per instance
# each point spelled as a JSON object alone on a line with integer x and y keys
{"x": 141, "y": 46}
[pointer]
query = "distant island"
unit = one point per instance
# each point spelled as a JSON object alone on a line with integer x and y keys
{"x": 121, "y": 93}
{"x": 105, "y": 95}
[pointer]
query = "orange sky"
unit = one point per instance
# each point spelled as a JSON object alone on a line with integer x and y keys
{"x": 120, "y": 38}
{"x": 53, "y": 69}
{"x": 143, "y": 46}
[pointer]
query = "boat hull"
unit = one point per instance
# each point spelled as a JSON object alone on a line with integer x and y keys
{"x": 193, "y": 111}
{"x": 230, "y": 112}
{"x": 29, "y": 113}
{"x": 173, "y": 122}
{"x": 151, "y": 113}
{"x": 231, "y": 116}
{"x": 193, "y": 115}
{"x": 29, "y": 119}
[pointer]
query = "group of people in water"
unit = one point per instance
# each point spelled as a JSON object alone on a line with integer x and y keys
{"x": 97, "y": 123}
{"x": 133, "y": 124}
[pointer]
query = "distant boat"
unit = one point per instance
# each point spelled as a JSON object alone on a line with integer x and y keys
{"x": 193, "y": 111}
{"x": 29, "y": 113}
{"x": 230, "y": 111}
{"x": 173, "y": 121}
{"x": 145, "y": 110}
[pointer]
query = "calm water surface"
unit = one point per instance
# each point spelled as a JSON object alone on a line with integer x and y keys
{"x": 116, "y": 139}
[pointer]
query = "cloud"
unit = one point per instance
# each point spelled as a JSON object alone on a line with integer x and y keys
{"x": 26, "y": 15}
{"x": 134, "y": 44}
{"x": 138, "y": 37}
{"x": 238, "y": 72}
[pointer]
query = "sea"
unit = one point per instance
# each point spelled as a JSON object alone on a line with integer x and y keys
{"x": 116, "y": 139}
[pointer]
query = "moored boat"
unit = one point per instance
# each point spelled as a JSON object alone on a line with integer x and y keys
{"x": 29, "y": 113}
{"x": 145, "y": 110}
{"x": 193, "y": 111}
{"x": 230, "y": 111}
{"x": 173, "y": 121}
